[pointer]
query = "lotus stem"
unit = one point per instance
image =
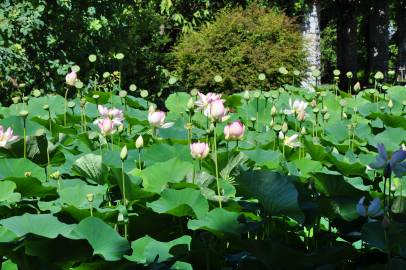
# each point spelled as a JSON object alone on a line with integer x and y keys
{"x": 216, "y": 164}
{"x": 66, "y": 106}
{"x": 124, "y": 198}
{"x": 25, "y": 138}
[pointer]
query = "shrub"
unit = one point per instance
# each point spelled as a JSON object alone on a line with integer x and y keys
{"x": 238, "y": 45}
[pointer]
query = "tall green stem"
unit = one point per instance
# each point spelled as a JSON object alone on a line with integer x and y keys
{"x": 25, "y": 138}
{"x": 216, "y": 164}
{"x": 124, "y": 199}
{"x": 66, "y": 106}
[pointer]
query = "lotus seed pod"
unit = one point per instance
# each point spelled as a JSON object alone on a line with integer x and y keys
{"x": 71, "y": 104}
{"x": 15, "y": 99}
{"x": 133, "y": 88}
{"x": 277, "y": 128}
{"x": 46, "y": 107}
{"x": 404, "y": 102}
{"x": 316, "y": 110}
{"x": 36, "y": 93}
{"x": 382, "y": 108}
{"x": 23, "y": 113}
{"x": 122, "y": 93}
{"x": 275, "y": 95}
{"x": 90, "y": 197}
{"x": 343, "y": 103}
{"x": 26, "y": 98}
{"x": 326, "y": 116}
{"x": 325, "y": 110}
{"x": 391, "y": 73}
{"x": 106, "y": 74}
{"x": 253, "y": 119}
{"x": 257, "y": 94}
{"x": 188, "y": 126}
{"x": 139, "y": 142}
{"x": 56, "y": 175}
{"x": 27, "y": 174}
{"x": 267, "y": 94}
{"x": 379, "y": 76}
{"x": 96, "y": 97}
{"x": 261, "y": 77}
{"x": 285, "y": 127}
{"x": 336, "y": 72}
{"x": 124, "y": 153}
{"x": 194, "y": 92}
{"x": 296, "y": 72}
{"x": 349, "y": 75}
{"x": 344, "y": 115}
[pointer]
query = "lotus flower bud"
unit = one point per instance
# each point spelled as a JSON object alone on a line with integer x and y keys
{"x": 139, "y": 142}
{"x": 273, "y": 111}
{"x": 246, "y": 95}
{"x": 285, "y": 127}
{"x": 190, "y": 104}
{"x": 313, "y": 103}
{"x": 71, "y": 78}
{"x": 390, "y": 104}
{"x": 156, "y": 118}
{"x": 199, "y": 150}
{"x": 124, "y": 153}
{"x": 234, "y": 131}
{"x": 357, "y": 87}
{"x": 217, "y": 110}
{"x": 303, "y": 131}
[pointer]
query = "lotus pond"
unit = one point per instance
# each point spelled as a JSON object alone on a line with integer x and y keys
{"x": 268, "y": 179}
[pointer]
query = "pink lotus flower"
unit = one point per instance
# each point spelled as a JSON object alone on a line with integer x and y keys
{"x": 71, "y": 78}
{"x": 6, "y": 137}
{"x": 114, "y": 114}
{"x": 204, "y": 101}
{"x": 199, "y": 150}
{"x": 106, "y": 126}
{"x": 234, "y": 131}
{"x": 289, "y": 141}
{"x": 296, "y": 107}
{"x": 157, "y": 119}
{"x": 217, "y": 111}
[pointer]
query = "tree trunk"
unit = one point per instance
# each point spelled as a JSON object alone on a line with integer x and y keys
{"x": 311, "y": 35}
{"x": 347, "y": 41}
{"x": 401, "y": 34}
{"x": 378, "y": 36}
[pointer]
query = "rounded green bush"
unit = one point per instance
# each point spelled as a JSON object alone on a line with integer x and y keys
{"x": 239, "y": 45}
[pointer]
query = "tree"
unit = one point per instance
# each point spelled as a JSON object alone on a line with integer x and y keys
{"x": 347, "y": 43}
{"x": 378, "y": 35}
{"x": 401, "y": 32}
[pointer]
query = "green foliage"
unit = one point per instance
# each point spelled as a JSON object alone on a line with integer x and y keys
{"x": 239, "y": 45}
